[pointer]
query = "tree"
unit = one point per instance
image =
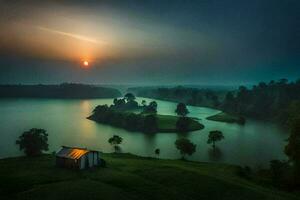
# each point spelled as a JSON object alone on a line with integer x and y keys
{"x": 153, "y": 105}
{"x": 214, "y": 136}
{"x": 129, "y": 97}
{"x": 115, "y": 141}
{"x": 151, "y": 108}
{"x": 182, "y": 110}
{"x": 119, "y": 103}
{"x": 33, "y": 142}
{"x": 157, "y": 152}
{"x": 185, "y": 146}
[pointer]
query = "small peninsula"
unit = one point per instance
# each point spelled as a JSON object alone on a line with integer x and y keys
{"x": 228, "y": 118}
{"x": 128, "y": 114}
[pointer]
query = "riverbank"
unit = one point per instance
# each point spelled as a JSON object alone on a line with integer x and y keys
{"x": 228, "y": 118}
{"x": 127, "y": 177}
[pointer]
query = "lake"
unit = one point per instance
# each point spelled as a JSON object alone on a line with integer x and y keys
{"x": 254, "y": 144}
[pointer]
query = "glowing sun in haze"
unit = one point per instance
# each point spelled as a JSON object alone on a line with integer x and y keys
{"x": 85, "y": 63}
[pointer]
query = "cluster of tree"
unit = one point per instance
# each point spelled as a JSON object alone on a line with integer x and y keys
{"x": 129, "y": 121}
{"x": 128, "y": 102}
{"x": 149, "y": 109}
{"x": 272, "y": 101}
{"x": 35, "y": 141}
{"x": 186, "y": 147}
{"x": 191, "y": 96}
{"x": 264, "y": 101}
{"x": 65, "y": 90}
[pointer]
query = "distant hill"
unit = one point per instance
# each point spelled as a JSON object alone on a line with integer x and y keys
{"x": 65, "y": 90}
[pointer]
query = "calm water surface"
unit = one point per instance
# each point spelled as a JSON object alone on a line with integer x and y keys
{"x": 254, "y": 144}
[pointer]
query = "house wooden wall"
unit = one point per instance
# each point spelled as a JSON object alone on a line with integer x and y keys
{"x": 91, "y": 158}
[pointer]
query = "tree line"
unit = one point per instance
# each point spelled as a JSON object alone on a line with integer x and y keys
{"x": 65, "y": 90}
{"x": 190, "y": 96}
{"x": 275, "y": 100}
{"x": 35, "y": 141}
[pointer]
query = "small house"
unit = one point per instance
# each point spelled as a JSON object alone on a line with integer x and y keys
{"x": 77, "y": 158}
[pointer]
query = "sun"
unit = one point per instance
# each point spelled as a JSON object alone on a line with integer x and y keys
{"x": 85, "y": 63}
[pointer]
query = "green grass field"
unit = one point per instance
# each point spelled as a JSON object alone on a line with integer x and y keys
{"x": 225, "y": 117}
{"x": 127, "y": 177}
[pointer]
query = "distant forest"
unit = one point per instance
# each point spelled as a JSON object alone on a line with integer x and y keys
{"x": 276, "y": 100}
{"x": 65, "y": 90}
{"x": 191, "y": 96}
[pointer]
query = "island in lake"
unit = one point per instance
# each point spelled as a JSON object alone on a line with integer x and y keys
{"x": 128, "y": 114}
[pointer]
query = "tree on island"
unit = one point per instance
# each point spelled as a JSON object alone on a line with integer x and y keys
{"x": 129, "y": 97}
{"x": 119, "y": 103}
{"x": 185, "y": 146}
{"x": 126, "y": 103}
{"x": 33, "y": 142}
{"x": 151, "y": 108}
{"x": 157, "y": 152}
{"x": 115, "y": 141}
{"x": 181, "y": 110}
{"x": 130, "y": 101}
{"x": 213, "y": 137}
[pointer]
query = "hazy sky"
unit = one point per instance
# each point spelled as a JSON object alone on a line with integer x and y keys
{"x": 149, "y": 42}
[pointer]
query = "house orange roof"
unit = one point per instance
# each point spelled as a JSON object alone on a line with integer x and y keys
{"x": 72, "y": 152}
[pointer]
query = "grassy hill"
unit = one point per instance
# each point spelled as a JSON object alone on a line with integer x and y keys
{"x": 127, "y": 177}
